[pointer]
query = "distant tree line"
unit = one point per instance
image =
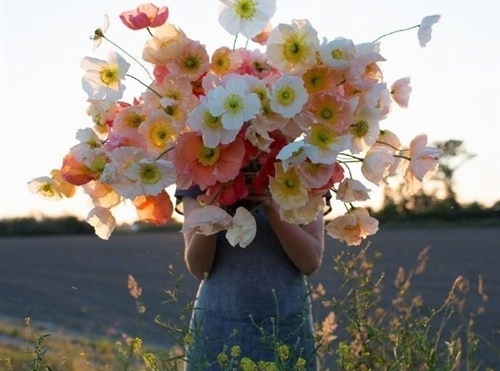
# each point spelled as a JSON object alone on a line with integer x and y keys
{"x": 438, "y": 205}
{"x": 30, "y": 226}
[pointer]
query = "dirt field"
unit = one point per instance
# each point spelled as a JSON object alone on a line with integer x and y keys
{"x": 79, "y": 283}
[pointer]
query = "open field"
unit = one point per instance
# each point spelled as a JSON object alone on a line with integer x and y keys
{"x": 78, "y": 284}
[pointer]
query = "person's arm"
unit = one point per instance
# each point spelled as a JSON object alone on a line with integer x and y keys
{"x": 304, "y": 244}
{"x": 199, "y": 250}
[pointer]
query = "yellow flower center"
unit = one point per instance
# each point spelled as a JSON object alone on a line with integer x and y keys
{"x": 99, "y": 164}
{"x": 337, "y": 54}
{"x": 211, "y": 121}
{"x": 47, "y": 190}
{"x": 246, "y": 9}
{"x": 294, "y": 49}
{"x": 326, "y": 113}
{"x": 190, "y": 63}
{"x": 285, "y": 95}
{"x": 161, "y": 134}
{"x": 149, "y": 174}
{"x": 233, "y": 103}
{"x": 134, "y": 119}
{"x": 173, "y": 111}
{"x": 321, "y": 137}
{"x": 360, "y": 129}
{"x": 208, "y": 156}
{"x": 109, "y": 75}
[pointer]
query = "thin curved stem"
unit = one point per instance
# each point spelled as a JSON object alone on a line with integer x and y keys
{"x": 147, "y": 86}
{"x": 130, "y": 55}
{"x": 397, "y": 31}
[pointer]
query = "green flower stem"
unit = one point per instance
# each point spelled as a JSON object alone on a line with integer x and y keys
{"x": 397, "y": 31}
{"x": 130, "y": 55}
{"x": 164, "y": 153}
{"x": 147, "y": 86}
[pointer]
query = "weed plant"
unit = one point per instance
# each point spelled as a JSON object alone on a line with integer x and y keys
{"x": 369, "y": 325}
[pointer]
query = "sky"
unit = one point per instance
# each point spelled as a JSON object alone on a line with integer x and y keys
{"x": 455, "y": 80}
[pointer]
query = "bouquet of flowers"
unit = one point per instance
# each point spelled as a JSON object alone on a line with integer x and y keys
{"x": 286, "y": 120}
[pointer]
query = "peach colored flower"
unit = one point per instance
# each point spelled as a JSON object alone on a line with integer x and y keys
{"x": 331, "y": 109}
{"x": 352, "y": 227}
{"x": 304, "y": 214}
{"x": 146, "y": 15}
{"x": 293, "y": 47}
{"x": 400, "y": 91}
{"x": 378, "y": 164}
{"x": 320, "y": 79}
{"x": 160, "y": 132}
{"x": 166, "y": 44}
{"x": 206, "y": 165}
{"x": 75, "y": 172}
{"x": 316, "y": 175}
{"x": 287, "y": 188}
{"x": 243, "y": 229}
{"x": 207, "y": 220}
{"x": 225, "y": 60}
{"x": 352, "y": 190}
{"x": 191, "y": 62}
{"x": 102, "y": 220}
{"x": 423, "y": 162}
{"x": 156, "y": 209}
{"x": 66, "y": 188}
{"x": 102, "y": 194}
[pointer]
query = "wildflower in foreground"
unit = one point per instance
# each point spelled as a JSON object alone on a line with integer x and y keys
{"x": 146, "y": 15}
{"x": 103, "y": 79}
{"x": 243, "y": 229}
{"x": 248, "y": 17}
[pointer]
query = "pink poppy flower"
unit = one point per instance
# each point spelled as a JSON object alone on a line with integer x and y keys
{"x": 146, "y": 15}
{"x": 207, "y": 166}
{"x": 400, "y": 91}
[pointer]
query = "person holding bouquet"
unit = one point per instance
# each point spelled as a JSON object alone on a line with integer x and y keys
{"x": 254, "y": 298}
